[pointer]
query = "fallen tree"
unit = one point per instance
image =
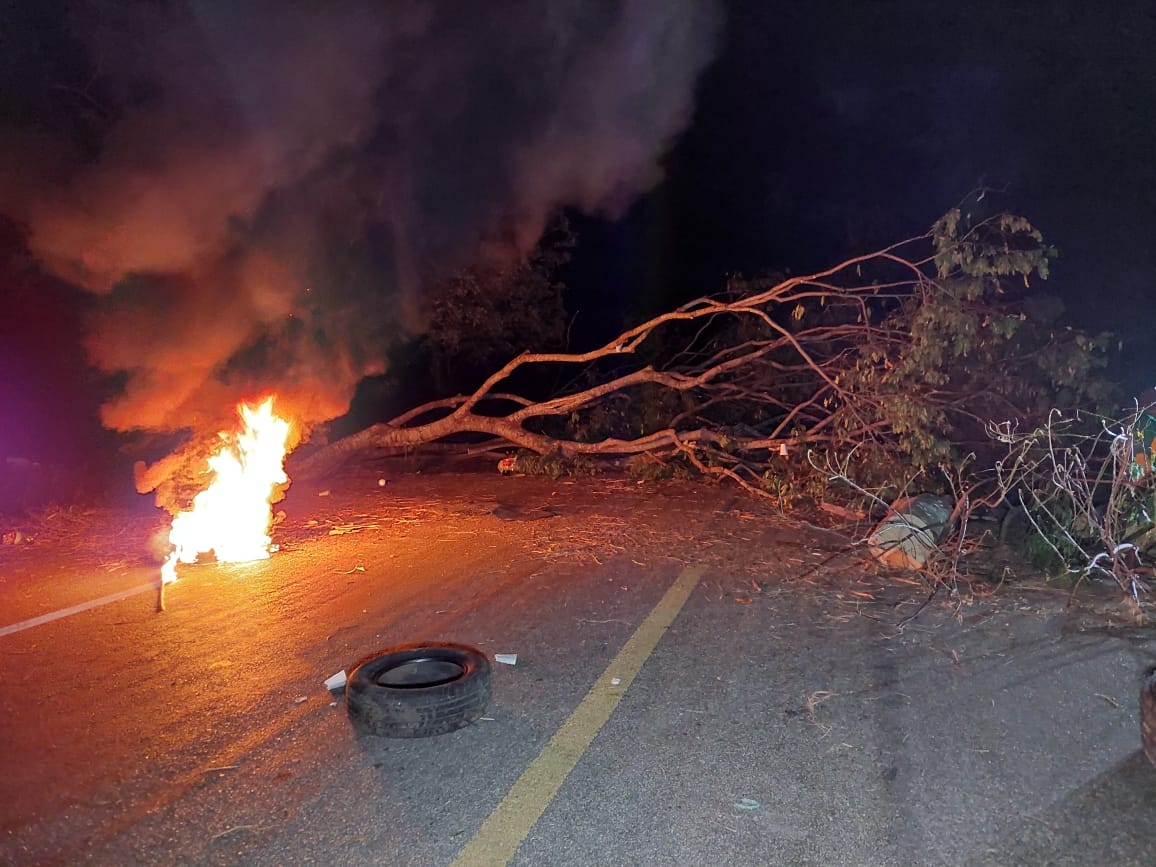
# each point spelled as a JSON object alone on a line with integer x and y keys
{"x": 903, "y": 355}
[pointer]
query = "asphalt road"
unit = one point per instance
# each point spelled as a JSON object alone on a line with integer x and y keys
{"x": 784, "y": 721}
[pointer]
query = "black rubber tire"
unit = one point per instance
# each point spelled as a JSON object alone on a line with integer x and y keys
{"x": 419, "y": 690}
{"x": 1148, "y": 716}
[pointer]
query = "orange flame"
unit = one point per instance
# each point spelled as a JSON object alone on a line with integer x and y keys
{"x": 232, "y": 516}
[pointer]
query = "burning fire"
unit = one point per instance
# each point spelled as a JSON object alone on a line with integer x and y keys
{"x": 232, "y": 516}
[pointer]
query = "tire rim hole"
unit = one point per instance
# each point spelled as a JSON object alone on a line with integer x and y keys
{"x": 418, "y": 673}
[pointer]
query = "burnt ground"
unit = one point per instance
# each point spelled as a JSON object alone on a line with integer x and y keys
{"x": 473, "y": 554}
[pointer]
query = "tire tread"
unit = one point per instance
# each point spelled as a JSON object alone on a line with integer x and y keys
{"x": 423, "y": 711}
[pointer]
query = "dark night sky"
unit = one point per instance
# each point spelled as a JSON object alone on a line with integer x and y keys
{"x": 837, "y": 127}
{"x": 261, "y": 164}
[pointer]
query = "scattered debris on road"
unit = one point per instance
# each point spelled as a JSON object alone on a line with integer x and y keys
{"x": 343, "y": 529}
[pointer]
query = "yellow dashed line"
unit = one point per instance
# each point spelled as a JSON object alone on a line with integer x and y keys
{"x": 506, "y": 827}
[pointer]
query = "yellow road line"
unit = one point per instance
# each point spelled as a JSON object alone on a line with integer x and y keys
{"x": 506, "y": 827}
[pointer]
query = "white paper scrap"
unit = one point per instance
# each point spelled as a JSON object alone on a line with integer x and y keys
{"x": 336, "y": 681}
{"x": 506, "y": 658}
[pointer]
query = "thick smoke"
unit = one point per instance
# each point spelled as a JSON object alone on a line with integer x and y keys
{"x": 263, "y": 188}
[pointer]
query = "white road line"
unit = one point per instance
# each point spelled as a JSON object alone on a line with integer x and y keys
{"x": 76, "y": 609}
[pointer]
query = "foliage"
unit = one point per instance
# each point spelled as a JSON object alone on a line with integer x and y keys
{"x": 650, "y": 468}
{"x": 963, "y": 349}
{"x": 628, "y": 413}
{"x": 792, "y": 478}
{"x": 553, "y": 465}
{"x": 498, "y": 307}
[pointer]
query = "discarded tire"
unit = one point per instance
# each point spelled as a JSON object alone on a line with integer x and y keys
{"x": 1148, "y": 716}
{"x": 419, "y": 690}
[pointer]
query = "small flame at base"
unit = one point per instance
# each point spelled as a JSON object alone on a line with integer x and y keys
{"x": 232, "y": 516}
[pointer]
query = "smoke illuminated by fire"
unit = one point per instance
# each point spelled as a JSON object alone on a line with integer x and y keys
{"x": 255, "y": 194}
{"x": 232, "y": 516}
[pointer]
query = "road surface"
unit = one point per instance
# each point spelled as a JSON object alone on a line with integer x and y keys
{"x": 781, "y": 718}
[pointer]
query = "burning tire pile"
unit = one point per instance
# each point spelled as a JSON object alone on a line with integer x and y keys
{"x": 419, "y": 690}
